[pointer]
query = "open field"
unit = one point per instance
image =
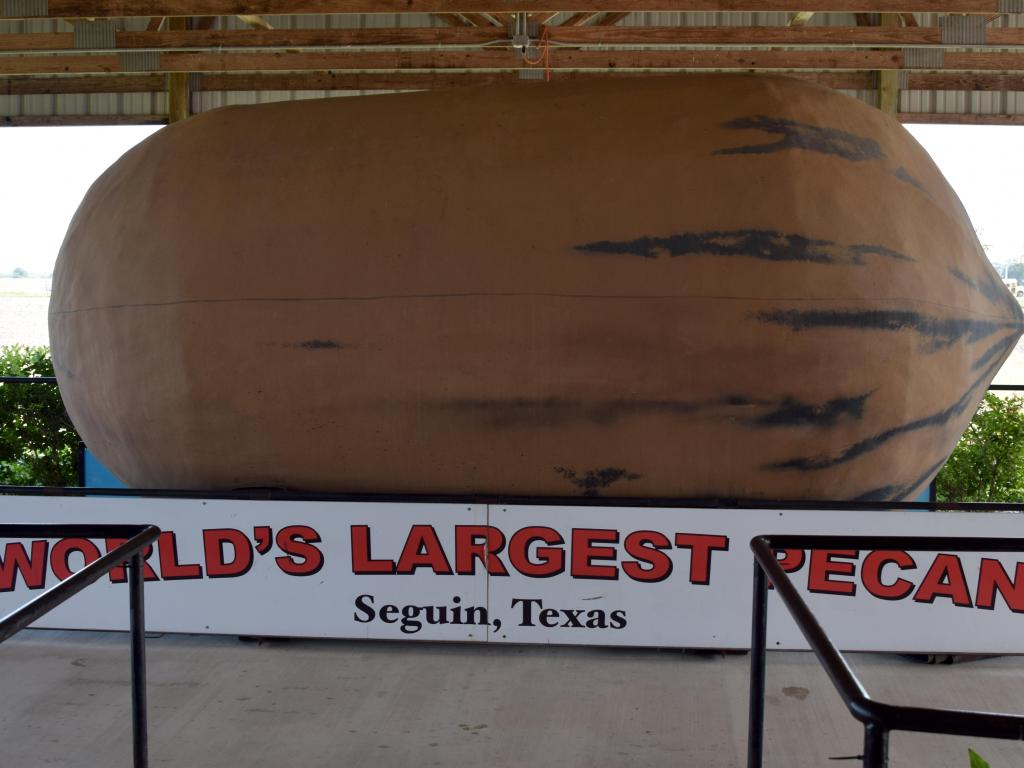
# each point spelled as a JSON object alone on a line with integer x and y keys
{"x": 25, "y": 286}
{"x": 23, "y": 319}
{"x": 1012, "y": 371}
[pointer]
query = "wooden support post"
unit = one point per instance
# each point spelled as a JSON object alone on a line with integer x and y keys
{"x": 889, "y": 79}
{"x": 178, "y": 107}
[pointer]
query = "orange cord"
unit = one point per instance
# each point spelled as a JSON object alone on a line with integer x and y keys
{"x": 545, "y": 55}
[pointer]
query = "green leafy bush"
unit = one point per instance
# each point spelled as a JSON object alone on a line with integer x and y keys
{"x": 988, "y": 462}
{"x": 38, "y": 444}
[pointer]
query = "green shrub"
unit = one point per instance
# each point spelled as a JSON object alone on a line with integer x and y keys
{"x": 988, "y": 462}
{"x": 38, "y": 444}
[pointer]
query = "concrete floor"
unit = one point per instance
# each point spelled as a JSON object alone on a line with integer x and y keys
{"x": 219, "y": 702}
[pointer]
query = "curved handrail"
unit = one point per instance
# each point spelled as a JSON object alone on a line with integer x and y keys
{"x": 879, "y": 718}
{"x": 138, "y": 537}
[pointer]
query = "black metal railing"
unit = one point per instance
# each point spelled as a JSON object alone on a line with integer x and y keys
{"x": 28, "y": 380}
{"x": 879, "y": 718}
{"x": 470, "y": 497}
{"x": 137, "y": 538}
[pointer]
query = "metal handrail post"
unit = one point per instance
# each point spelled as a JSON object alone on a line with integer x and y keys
{"x": 876, "y": 746}
{"x": 879, "y": 718}
{"x": 129, "y": 554}
{"x": 137, "y": 611}
{"x": 758, "y": 661}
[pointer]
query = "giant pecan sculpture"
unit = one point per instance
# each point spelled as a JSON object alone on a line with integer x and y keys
{"x": 731, "y": 286}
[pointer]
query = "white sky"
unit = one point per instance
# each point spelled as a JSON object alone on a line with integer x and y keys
{"x": 46, "y": 172}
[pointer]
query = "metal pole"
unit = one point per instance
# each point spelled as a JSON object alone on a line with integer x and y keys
{"x": 876, "y": 746}
{"x": 80, "y": 463}
{"x": 758, "y": 659}
{"x": 137, "y": 609}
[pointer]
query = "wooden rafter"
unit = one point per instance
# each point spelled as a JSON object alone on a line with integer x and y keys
{"x": 35, "y": 121}
{"x": 596, "y": 34}
{"x": 82, "y": 120}
{"x": 562, "y": 58}
{"x": 343, "y": 81}
{"x": 477, "y": 20}
{"x": 579, "y": 19}
{"x": 155, "y": 23}
{"x": 610, "y": 19}
{"x": 451, "y": 19}
{"x": 255, "y": 21}
{"x": 120, "y": 8}
{"x": 960, "y": 118}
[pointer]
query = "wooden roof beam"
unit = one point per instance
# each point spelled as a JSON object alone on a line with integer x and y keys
{"x": 477, "y": 20}
{"x": 562, "y": 58}
{"x": 38, "y": 121}
{"x": 451, "y": 19}
{"x": 958, "y": 118}
{"x": 254, "y": 20}
{"x": 328, "y": 81}
{"x": 579, "y": 19}
{"x": 596, "y": 34}
{"x": 343, "y": 81}
{"x": 610, "y": 19}
{"x": 954, "y": 118}
{"x": 149, "y": 8}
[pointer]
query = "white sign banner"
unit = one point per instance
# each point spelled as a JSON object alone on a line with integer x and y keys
{"x": 669, "y": 577}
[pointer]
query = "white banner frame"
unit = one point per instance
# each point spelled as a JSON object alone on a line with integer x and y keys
{"x": 572, "y": 575}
